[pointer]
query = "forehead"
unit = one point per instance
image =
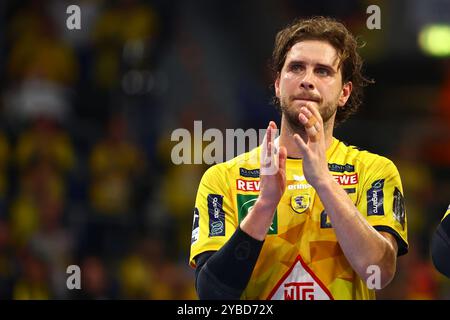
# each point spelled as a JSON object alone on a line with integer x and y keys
{"x": 313, "y": 52}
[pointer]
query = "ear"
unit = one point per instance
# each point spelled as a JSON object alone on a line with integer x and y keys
{"x": 345, "y": 93}
{"x": 277, "y": 86}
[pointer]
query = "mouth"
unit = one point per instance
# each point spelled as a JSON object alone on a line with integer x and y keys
{"x": 304, "y": 100}
{"x": 303, "y": 97}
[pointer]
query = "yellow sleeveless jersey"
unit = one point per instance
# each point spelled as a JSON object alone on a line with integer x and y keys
{"x": 301, "y": 257}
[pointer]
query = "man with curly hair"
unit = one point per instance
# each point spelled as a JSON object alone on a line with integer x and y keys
{"x": 313, "y": 218}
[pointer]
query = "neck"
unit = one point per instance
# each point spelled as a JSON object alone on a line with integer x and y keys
{"x": 287, "y": 137}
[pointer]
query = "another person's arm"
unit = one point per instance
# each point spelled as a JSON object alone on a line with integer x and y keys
{"x": 440, "y": 246}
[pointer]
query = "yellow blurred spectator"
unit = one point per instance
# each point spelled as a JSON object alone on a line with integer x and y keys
{"x": 44, "y": 141}
{"x": 38, "y": 184}
{"x": 36, "y": 50}
{"x": 127, "y": 22}
{"x": 114, "y": 163}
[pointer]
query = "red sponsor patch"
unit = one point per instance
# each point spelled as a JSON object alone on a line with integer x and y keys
{"x": 346, "y": 179}
{"x": 247, "y": 185}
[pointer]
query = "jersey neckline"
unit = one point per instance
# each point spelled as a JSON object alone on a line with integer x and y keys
{"x": 329, "y": 152}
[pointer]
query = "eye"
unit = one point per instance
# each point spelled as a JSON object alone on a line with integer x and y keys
{"x": 323, "y": 72}
{"x": 296, "y": 67}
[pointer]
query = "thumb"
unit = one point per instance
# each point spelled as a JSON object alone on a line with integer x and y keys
{"x": 282, "y": 158}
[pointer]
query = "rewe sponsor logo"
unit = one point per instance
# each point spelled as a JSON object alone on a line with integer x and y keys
{"x": 346, "y": 179}
{"x": 247, "y": 185}
{"x": 300, "y": 283}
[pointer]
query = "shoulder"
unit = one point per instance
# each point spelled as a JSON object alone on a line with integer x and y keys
{"x": 363, "y": 159}
{"x": 246, "y": 164}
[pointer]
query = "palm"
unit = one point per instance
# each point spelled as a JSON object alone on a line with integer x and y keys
{"x": 273, "y": 168}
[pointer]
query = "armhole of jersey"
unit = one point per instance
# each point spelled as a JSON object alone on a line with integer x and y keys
{"x": 445, "y": 224}
{"x": 439, "y": 248}
{"x": 402, "y": 245}
{"x": 193, "y": 261}
{"x": 201, "y": 258}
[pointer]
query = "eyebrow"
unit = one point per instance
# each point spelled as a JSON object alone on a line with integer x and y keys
{"x": 326, "y": 66}
{"x": 322, "y": 65}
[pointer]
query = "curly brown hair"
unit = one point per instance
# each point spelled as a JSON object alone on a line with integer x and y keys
{"x": 335, "y": 33}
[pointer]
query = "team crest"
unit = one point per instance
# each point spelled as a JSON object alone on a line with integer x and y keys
{"x": 300, "y": 203}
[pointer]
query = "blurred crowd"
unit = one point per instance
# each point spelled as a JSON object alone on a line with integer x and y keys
{"x": 86, "y": 176}
{"x": 77, "y": 162}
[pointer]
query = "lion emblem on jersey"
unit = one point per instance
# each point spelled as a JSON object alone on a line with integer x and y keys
{"x": 300, "y": 203}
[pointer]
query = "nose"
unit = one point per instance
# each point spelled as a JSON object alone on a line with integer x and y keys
{"x": 306, "y": 83}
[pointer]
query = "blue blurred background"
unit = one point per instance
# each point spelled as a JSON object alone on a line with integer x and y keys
{"x": 86, "y": 176}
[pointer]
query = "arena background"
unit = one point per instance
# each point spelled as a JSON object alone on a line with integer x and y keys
{"x": 86, "y": 176}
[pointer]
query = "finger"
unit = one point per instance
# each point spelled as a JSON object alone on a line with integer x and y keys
{"x": 317, "y": 126}
{"x": 314, "y": 137}
{"x": 269, "y": 155}
{"x": 302, "y": 118}
{"x": 307, "y": 118}
{"x": 273, "y": 125}
{"x": 266, "y": 139}
{"x": 264, "y": 147}
{"x": 313, "y": 133}
{"x": 314, "y": 112}
{"x": 311, "y": 124}
{"x": 282, "y": 158}
{"x": 273, "y": 132}
{"x": 274, "y": 160}
{"x": 300, "y": 143}
{"x": 268, "y": 159}
{"x": 270, "y": 135}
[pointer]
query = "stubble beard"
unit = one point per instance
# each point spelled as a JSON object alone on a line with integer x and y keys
{"x": 290, "y": 113}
